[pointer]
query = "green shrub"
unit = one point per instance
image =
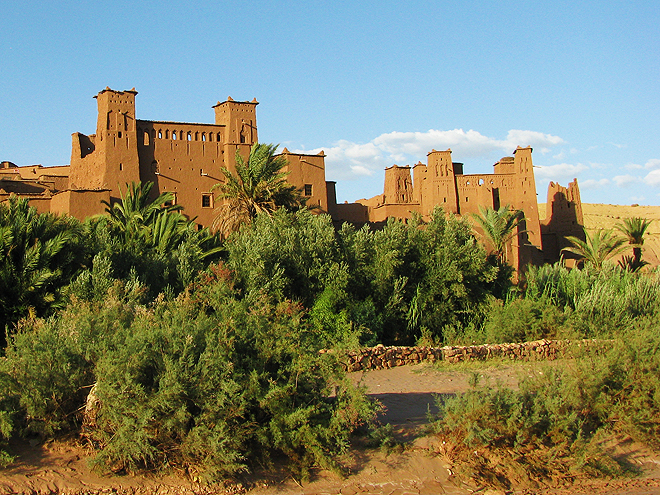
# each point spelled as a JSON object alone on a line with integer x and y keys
{"x": 205, "y": 381}
{"x": 385, "y": 285}
{"x": 555, "y": 424}
{"x": 522, "y": 320}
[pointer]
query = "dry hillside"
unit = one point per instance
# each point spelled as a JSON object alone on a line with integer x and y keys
{"x": 598, "y": 216}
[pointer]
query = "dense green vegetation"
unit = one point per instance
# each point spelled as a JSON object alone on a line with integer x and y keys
{"x": 164, "y": 345}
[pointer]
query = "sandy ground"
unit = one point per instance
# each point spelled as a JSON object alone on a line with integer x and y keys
{"x": 599, "y": 216}
{"x": 408, "y": 394}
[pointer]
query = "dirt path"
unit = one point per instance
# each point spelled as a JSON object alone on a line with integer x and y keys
{"x": 407, "y": 393}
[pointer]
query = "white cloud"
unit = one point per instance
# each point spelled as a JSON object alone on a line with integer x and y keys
{"x": 560, "y": 171}
{"x": 653, "y": 178}
{"x": 534, "y": 139}
{"x": 633, "y": 166}
{"x": 559, "y": 156}
{"x": 619, "y": 146}
{"x": 347, "y": 160}
{"x": 652, "y": 164}
{"x": 637, "y": 198}
{"x": 625, "y": 180}
{"x": 598, "y": 166}
{"x": 470, "y": 143}
{"x": 594, "y": 184}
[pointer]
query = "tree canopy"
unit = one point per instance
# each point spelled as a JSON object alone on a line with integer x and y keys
{"x": 258, "y": 186}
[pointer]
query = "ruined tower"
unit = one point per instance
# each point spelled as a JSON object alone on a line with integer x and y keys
{"x": 398, "y": 185}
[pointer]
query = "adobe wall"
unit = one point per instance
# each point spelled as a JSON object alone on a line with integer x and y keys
{"x": 186, "y": 160}
{"x": 41, "y": 203}
{"x": 308, "y": 173}
{"x": 79, "y": 203}
{"x": 354, "y": 213}
{"x": 380, "y": 214}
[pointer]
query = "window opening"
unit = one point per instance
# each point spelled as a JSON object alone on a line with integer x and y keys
{"x": 207, "y": 200}
{"x": 308, "y": 189}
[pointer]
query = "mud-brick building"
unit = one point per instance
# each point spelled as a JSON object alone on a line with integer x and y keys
{"x": 441, "y": 182}
{"x": 186, "y": 160}
{"x": 182, "y": 158}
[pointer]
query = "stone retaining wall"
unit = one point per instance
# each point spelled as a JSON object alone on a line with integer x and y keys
{"x": 380, "y": 357}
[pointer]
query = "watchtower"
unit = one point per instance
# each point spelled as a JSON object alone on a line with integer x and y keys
{"x": 239, "y": 119}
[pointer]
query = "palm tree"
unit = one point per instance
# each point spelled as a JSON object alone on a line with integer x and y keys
{"x": 499, "y": 227}
{"x": 634, "y": 229}
{"x": 597, "y": 249}
{"x": 258, "y": 186}
{"x": 39, "y": 255}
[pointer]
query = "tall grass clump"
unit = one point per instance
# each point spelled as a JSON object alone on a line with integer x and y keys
{"x": 555, "y": 425}
{"x": 555, "y": 302}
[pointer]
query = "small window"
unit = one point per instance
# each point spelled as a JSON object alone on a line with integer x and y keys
{"x": 207, "y": 200}
{"x": 119, "y": 135}
{"x": 172, "y": 202}
{"x": 146, "y": 138}
{"x": 308, "y": 189}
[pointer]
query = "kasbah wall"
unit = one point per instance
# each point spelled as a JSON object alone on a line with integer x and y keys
{"x": 186, "y": 160}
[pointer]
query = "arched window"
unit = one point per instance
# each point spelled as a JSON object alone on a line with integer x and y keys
{"x": 219, "y": 137}
{"x": 167, "y": 134}
{"x": 174, "y": 135}
{"x": 160, "y": 134}
{"x": 189, "y": 136}
{"x": 210, "y": 136}
{"x": 203, "y": 136}
{"x": 146, "y": 138}
{"x": 197, "y": 136}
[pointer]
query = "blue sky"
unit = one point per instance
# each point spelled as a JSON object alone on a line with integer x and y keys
{"x": 370, "y": 83}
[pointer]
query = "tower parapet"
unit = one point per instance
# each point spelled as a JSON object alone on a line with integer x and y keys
{"x": 239, "y": 119}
